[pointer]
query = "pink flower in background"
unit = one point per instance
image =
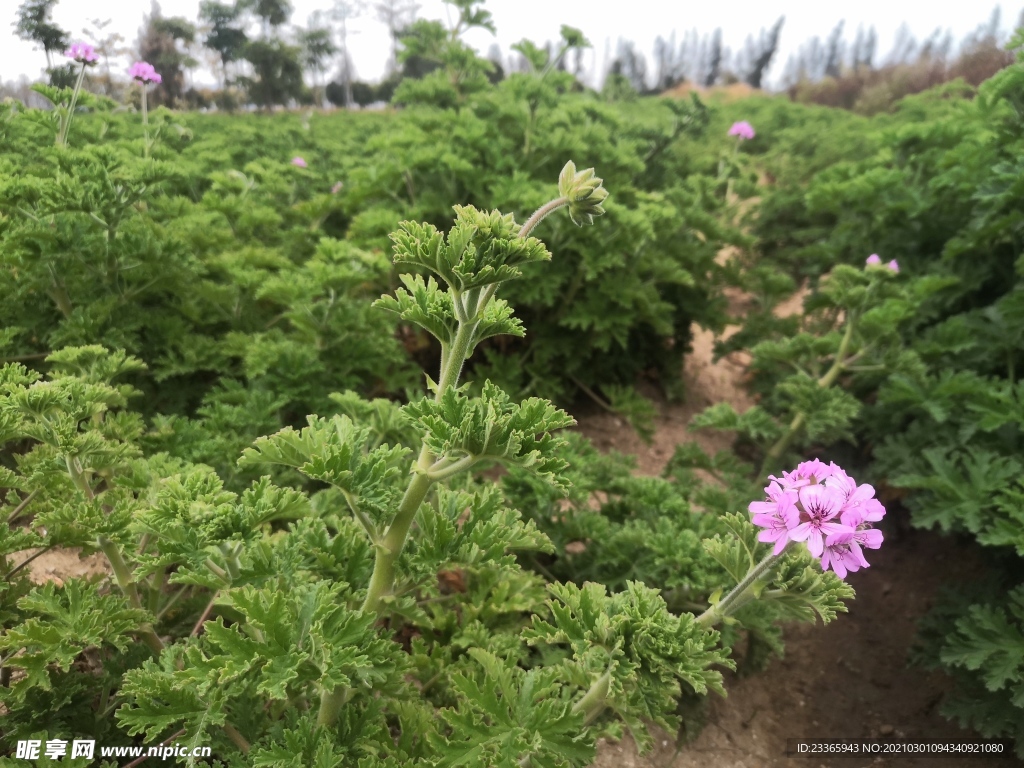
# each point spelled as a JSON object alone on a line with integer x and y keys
{"x": 336, "y": 188}
{"x": 743, "y": 129}
{"x": 298, "y": 162}
{"x": 143, "y": 72}
{"x": 83, "y": 53}
{"x": 875, "y": 261}
{"x": 821, "y": 505}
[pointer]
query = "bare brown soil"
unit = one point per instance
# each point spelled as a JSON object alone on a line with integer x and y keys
{"x": 849, "y": 679}
{"x": 60, "y": 564}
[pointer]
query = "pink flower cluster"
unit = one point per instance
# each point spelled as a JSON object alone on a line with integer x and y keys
{"x": 821, "y": 505}
{"x": 298, "y": 162}
{"x": 143, "y": 72}
{"x": 83, "y": 53}
{"x": 874, "y": 260}
{"x": 743, "y": 129}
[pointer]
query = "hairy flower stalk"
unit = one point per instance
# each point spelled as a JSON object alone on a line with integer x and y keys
{"x": 816, "y": 504}
{"x": 581, "y": 191}
{"x": 741, "y": 594}
{"x": 85, "y": 55}
{"x": 144, "y": 73}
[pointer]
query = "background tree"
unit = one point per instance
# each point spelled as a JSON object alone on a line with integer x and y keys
{"x": 317, "y": 44}
{"x": 277, "y": 72}
{"x": 271, "y": 13}
{"x": 835, "y": 51}
{"x": 33, "y": 24}
{"x": 225, "y": 35}
{"x": 397, "y": 16}
{"x": 759, "y": 57}
{"x": 714, "y": 67}
{"x": 107, "y": 45}
{"x": 863, "y": 53}
{"x": 161, "y": 43}
{"x": 342, "y": 12}
{"x": 632, "y": 65}
{"x": 669, "y": 65}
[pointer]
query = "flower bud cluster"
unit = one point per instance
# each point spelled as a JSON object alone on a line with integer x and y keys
{"x": 821, "y": 505}
{"x": 584, "y": 192}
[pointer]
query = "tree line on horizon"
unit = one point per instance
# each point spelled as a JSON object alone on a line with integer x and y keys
{"x": 260, "y": 58}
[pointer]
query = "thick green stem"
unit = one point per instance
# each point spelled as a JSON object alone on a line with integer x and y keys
{"x": 59, "y": 294}
{"x": 382, "y": 581}
{"x": 16, "y": 512}
{"x": 736, "y": 597}
{"x": 389, "y": 547}
{"x": 540, "y": 214}
{"x": 122, "y": 573}
{"x": 238, "y": 739}
{"x": 838, "y": 366}
{"x": 595, "y": 699}
{"x": 123, "y": 576}
{"x": 331, "y": 703}
{"x": 456, "y": 357}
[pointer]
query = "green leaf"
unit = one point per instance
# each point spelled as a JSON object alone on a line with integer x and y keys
{"x": 66, "y": 621}
{"x": 492, "y": 427}
{"x": 481, "y": 249}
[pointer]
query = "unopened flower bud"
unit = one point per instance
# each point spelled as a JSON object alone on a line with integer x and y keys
{"x": 584, "y": 192}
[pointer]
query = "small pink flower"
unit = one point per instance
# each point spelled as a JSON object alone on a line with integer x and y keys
{"x": 860, "y": 506}
{"x": 843, "y": 553}
{"x": 893, "y": 266}
{"x": 336, "y": 188}
{"x": 298, "y": 162}
{"x": 806, "y": 473}
{"x": 742, "y": 129}
{"x": 820, "y": 506}
{"x": 143, "y": 72}
{"x": 776, "y": 516}
{"x": 873, "y": 260}
{"x": 83, "y": 53}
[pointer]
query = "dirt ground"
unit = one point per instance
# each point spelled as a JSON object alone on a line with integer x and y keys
{"x": 847, "y": 680}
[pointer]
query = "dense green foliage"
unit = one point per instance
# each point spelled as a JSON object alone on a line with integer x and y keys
{"x": 930, "y": 391}
{"x": 202, "y": 381}
{"x": 177, "y": 319}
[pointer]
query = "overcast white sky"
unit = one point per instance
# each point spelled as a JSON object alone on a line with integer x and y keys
{"x": 602, "y": 21}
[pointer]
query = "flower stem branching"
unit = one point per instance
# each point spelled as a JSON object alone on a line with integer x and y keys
{"x": 741, "y": 594}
